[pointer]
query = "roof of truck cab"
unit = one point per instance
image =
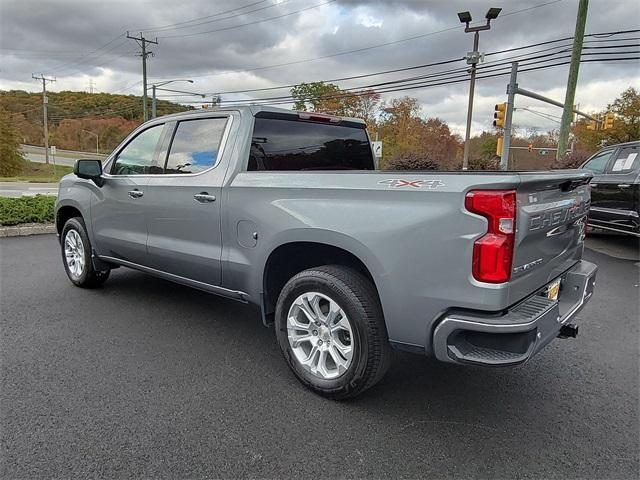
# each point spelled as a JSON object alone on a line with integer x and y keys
{"x": 252, "y": 109}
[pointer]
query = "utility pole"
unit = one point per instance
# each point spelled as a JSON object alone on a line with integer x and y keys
{"x": 144, "y": 54}
{"x": 45, "y": 122}
{"x": 572, "y": 80}
{"x": 512, "y": 88}
{"x": 473, "y": 58}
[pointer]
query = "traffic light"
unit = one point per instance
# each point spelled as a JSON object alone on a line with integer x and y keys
{"x": 608, "y": 121}
{"x": 498, "y": 115}
{"x": 592, "y": 125}
{"x": 530, "y": 147}
{"x": 499, "y": 145}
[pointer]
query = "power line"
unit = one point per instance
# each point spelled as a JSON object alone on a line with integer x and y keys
{"x": 417, "y": 85}
{"x": 250, "y": 23}
{"x": 171, "y": 25}
{"x": 219, "y": 19}
{"x": 358, "y": 50}
{"x": 286, "y": 100}
{"x": 85, "y": 57}
{"x": 565, "y": 48}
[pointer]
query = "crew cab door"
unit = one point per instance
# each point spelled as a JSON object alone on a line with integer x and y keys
{"x": 118, "y": 208}
{"x": 615, "y": 193}
{"x": 183, "y": 216}
{"x": 619, "y": 189}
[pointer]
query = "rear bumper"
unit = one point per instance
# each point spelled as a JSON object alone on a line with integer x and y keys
{"x": 512, "y": 337}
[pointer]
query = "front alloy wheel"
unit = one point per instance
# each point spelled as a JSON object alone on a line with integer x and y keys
{"x": 320, "y": 335}
{"x": 74, "y": 253}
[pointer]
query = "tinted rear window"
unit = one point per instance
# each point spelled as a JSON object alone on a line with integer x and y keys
{"x": 279, "y": 144}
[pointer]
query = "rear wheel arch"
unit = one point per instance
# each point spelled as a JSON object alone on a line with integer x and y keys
{"x": 288, "y": 259}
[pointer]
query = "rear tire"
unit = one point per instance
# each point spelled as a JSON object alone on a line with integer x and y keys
{"x": 76, "y": 255}
{"x": 335, "y": 310}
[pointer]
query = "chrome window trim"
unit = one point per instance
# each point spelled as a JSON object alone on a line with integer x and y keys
{"x": 221, "y": 151}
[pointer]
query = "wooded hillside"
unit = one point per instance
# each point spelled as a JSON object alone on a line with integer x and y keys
{"x": 109, "y": 116}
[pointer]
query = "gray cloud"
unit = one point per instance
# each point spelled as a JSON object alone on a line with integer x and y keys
{"x": 58, "y": 37}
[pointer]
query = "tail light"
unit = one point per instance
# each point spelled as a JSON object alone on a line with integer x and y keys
{"x": 493, "y": 252}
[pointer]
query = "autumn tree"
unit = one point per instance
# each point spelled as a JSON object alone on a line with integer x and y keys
{"x": 404, "y": 131}
{"x": 626, "y": 111}
{"x": 626, "y": 127}
{"x": 329, "y": 98}
{"x": 11, "y": 160}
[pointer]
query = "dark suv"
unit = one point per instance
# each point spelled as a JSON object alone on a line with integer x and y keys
{"x": 615, "y": 188}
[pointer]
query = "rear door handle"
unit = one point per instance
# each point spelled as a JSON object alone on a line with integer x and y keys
{"x": 135, "y": 193}
{"x": 623, "y": 185}
{"x": 204, "y": 197}
{"x": 594, "y": 184}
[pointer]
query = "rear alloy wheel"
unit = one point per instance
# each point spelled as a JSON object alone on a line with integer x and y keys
{"x": 320, "y": 335}
{"x": 76, "y": 255}
{"x": 331, "y": 331}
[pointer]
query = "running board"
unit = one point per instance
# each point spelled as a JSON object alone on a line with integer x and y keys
{"x": 224, "y": 292}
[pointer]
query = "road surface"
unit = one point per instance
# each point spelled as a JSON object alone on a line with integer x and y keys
{"x": 147, "y": 379}
{"x": 18, "y": 189}
{"x": 63, "y": 157}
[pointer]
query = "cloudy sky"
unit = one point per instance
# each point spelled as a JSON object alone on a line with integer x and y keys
{"x": 232, "y": 45}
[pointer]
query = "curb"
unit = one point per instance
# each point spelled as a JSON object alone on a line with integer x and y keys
{"x": 27, "y": 229}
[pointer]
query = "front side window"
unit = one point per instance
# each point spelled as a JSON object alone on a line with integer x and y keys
{"x": 195, "y": 145}
{"x": 288, "y": 145}
{"x": 138, "y": 157}
{"x": 598, "y": 163}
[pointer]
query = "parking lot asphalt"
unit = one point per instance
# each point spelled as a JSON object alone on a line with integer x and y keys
{"x": 144, "y": 378}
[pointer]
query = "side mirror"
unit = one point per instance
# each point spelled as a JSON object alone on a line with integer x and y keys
{"x": 90, "y": 170}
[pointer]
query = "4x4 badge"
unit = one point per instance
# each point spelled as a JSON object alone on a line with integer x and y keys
{"x": 394, "y": 182}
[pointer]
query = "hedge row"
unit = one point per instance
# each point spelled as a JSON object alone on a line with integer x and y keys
{"x": 38, "y": 209}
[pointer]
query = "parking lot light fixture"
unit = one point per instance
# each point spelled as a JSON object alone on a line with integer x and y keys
{"x": 472, "y": 59}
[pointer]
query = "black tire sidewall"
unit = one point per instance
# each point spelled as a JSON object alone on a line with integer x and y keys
{"x": 78, "y": 225}
{"x": 309, "y": 282}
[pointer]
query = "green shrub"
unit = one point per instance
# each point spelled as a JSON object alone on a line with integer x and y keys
{"x": 38, "y": 209}
{"x": 411, "y": 161}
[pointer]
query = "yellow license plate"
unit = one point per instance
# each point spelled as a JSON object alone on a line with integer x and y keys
{"x": 553, "y": 290}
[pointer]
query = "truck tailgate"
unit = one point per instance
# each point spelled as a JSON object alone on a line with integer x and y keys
{"x": 550, "y": 227}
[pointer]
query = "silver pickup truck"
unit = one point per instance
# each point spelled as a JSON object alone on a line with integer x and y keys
{"x": 285, "y": 210}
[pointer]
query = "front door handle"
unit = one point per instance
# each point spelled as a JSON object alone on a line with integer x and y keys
{"x": 204, "y": 197}
{"x": 593, "y": 184}
{"x": 135, "y": 193}
{"x": 623, "y": 185}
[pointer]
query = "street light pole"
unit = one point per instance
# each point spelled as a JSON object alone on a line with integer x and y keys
{"x": 97, "y": 139}
{"x": 472, "y": 87}
{"x": 153, "y": 101}
{"x": 472, "y": 59}
{"x": 154, "y": 87}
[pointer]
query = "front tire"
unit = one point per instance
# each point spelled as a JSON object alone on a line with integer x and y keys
{"x": 76, "y": 255}
{"x": 331, "y": 331}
